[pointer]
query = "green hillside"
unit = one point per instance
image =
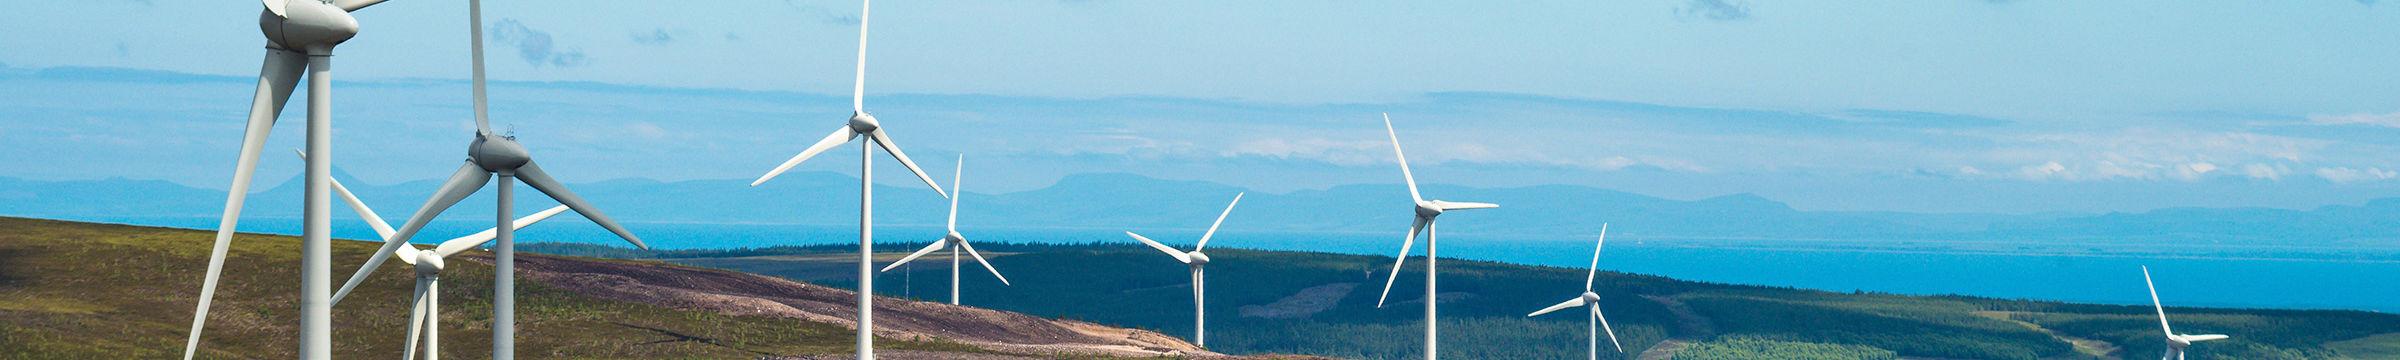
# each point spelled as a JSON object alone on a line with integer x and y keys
{"x": 1259, "y": 301}
{"x": 92, "y": 291}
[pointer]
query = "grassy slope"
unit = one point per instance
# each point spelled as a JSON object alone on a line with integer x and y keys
{"x": 86, "y": 291}
{"x": 1484, "y": 305}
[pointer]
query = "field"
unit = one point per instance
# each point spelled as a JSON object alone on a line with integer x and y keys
{"x": 76, "y": 290}
{"x": 1324, "y": 304}
{"x": 93, "y": 291}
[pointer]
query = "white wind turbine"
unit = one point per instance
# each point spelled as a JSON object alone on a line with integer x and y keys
{"x": 953, "y": 240}
{"x": 424, "y": 311}
{"x": 1590, "y": 300}
{"x": 301, "y": 35}
{"x": 488, "y": 156}
{"x": 2175, "y": 343}
{"x": 861, "y": 123}
{"x": 1199, "y": 264}
{"x": 1426, "y": 211}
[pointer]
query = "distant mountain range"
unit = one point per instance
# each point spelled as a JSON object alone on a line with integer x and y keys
{"x": 1125, "y": 201}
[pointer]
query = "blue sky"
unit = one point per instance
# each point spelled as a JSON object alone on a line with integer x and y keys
{"x": 2010, "y": 106}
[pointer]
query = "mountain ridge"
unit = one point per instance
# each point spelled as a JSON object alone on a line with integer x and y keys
{"x": 1120, "y": 201}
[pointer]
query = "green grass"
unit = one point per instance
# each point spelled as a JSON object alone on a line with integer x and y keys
{"x": 90, "y": 291}
{"x": 1751, "y": 348}
{"x": 2386, "y": 346}
{"x": 1131, "y": 285}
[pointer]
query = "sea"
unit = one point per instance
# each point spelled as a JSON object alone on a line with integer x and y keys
{"x": 2225, "y": 279}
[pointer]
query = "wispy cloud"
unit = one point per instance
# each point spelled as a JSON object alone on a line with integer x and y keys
{"x": 2150, "y": 154}
{"x": 2351, "y": 175}
{"x": 2384, "y": 120}
{"x": 824, "y": 15}
{"x": 653, "y": 37}
{"x": 1719, "y": 10}
{"x": 536, "y": 46}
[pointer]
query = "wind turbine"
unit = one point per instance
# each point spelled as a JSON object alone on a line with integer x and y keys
{"x": 953, "y": 240}
{"x": 1199, "y": 263}
{"x": 301, "y": 35}
{"x": 861, "y": 123}
{"x": 1590, "y": 300}
{"x": 425, "y": 307}
{"x": 2175, "y": 343}
{"x": 1426, "y": 211}
{"x": 488, "y": 156}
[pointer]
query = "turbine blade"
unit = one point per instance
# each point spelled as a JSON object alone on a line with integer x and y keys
{"x": 2162, "y": 309}
{"x": 463, "y": 243}
{"x": 987, "y": 265}
{"x": 1574, "y": 302}
{"x": 540, "y": 180}
{"x": 883, "y": 139}
{"x": 930, "y": 248}
{"x": 416, "y": 321}
{"x": 1396, "y": 153}
{"x": 955, "y": 176}
{"x": 1405, "y": 242}
{"x": 2200, "y": 338}
{"x": 407, "y": 255}
{"x": 1612, "y": 333}
{"x": 1595, "y": 272}
{"x": 483, "y": 122}
{"x": 840, "y": 136}
{"x": 1212, "y": 227}
{"x": 1460, "y": 205}
{"x": 275, "y": 6}
{"x": 277, "y": 75}
{"x": 354, "y": 5}
{"x": 465, "y": 181}
{"x": 858, "y": 88}
{"x": 382, "y": 229}
{"x": 1179, "y": 255}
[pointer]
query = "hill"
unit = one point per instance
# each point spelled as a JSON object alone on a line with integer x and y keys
{"x": 1324, "y": 304}
{"x": 83, "y": 291}
{"x": 822, "y": 198}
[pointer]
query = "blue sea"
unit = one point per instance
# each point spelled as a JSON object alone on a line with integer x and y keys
{"x": 2227, "y": 279}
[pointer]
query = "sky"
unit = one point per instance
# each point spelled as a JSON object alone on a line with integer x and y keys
{"x": 1931, "y": 106}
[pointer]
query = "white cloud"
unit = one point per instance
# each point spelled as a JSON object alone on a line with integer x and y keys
{"x": 2264, "y": 171}
{"x": 2045, "y": 171}
{"x": 2349, "y": 175}
{"x": 2152, "y": 154}
{"x": 2384, "y": 120}
{"x": 1374, "y": 152}
{"x": 1346, "y": 153}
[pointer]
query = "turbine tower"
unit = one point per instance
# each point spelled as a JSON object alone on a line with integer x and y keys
{"x": 1590, "y": 300}
{"x": 861, "y": 123}
{"x": 301, "y": 35}
{"x": 424, "y": 311}
{"x": 2175, "y": 343}
{"x": 488, "y": 156}
{"x": 1199, "y": 264}
{"x": 952, "y": 240}
{"x": 1426, "y": 211}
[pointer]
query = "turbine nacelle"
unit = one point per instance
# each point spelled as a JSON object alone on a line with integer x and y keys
{"x": 306, "y": 25}
{"x": 1197, "y": 258}
{"x": 1427, "y": 209}
{"x": 429, "y": 264}
{"x": 1589, "y": 297}
{"x": 864, "y": 123}
{"x": 500, "y": 154}
{"x": 954, "y": 238}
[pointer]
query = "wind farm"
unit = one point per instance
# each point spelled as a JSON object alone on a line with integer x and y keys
{"x": 1785, "y": 182}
